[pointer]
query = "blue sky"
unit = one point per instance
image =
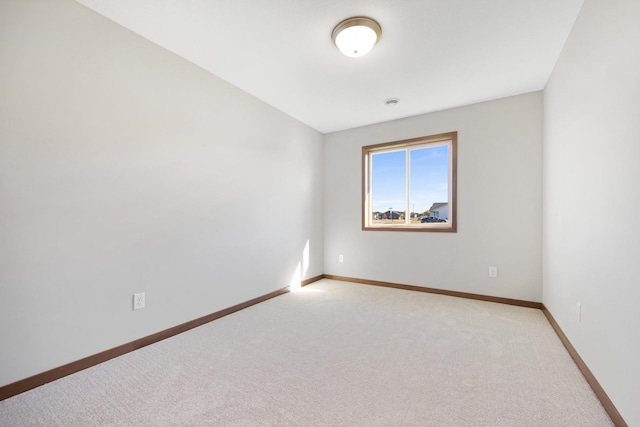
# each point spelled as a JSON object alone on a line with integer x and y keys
{"x": 429, "y": 179}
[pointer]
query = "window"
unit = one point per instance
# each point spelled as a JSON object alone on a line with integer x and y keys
{"x": 410, "y": 185}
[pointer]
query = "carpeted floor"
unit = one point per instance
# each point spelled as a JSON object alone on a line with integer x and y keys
{"x": 334, "y": 354}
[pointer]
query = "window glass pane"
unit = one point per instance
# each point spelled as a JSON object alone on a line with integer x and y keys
{"x": 388, "y": 187}
{"x": 429, "y": 185}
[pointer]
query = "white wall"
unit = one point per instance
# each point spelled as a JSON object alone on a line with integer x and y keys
{"x": 124, "y": 168}
{"x": 499, "y": 204}
{"x": 591, "y": 159}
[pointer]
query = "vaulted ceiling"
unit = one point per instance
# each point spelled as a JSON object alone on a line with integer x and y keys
{"x": 433, "y": 54}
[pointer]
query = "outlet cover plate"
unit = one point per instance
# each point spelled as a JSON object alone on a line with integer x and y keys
{"x": 138, "y": 301}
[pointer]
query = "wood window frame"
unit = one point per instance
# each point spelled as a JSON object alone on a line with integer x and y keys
{"x": 451, "y": 225}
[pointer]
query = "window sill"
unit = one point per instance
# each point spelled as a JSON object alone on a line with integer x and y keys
{"x": 437, "y": 228}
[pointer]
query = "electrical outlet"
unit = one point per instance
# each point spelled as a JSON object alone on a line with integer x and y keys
{"x": 493, "y": 271}
{"x": 138, "y": 301}
{"x": 340, "y": 258}
{"x": 579, "y": 312}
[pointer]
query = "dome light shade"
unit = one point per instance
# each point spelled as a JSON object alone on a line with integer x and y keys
{"x": 356, "y": 36}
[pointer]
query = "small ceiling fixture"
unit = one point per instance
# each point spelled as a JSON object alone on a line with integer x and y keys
{"x": 391, "y": 102}
{"x": 356, "y": 36}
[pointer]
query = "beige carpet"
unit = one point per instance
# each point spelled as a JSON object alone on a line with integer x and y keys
{"x": 334, "y": 354}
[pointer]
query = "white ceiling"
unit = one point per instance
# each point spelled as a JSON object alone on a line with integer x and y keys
{"x": 433, "y": 54}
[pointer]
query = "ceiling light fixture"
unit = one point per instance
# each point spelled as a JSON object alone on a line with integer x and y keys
{"x": 356, "y": 36}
